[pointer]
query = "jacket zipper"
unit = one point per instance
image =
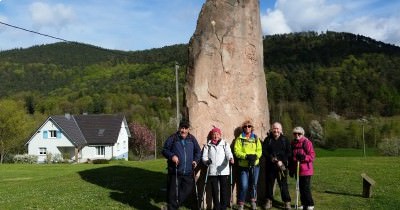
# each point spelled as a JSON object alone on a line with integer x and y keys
{"x": 184, "y": 153}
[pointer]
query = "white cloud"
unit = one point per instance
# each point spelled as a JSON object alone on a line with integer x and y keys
{"x": 55, "y": 16}
{"x": 274, "y": 22}
{"x": 372, "y": 18}
{"x": 384, "y": 29}
{"x": 302, "y": 15}
{"x": 135, "y": 25}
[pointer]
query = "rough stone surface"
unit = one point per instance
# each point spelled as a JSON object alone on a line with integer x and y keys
{"x": 225, "y": 82}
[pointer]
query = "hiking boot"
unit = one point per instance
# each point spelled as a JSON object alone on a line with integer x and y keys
{"x": 287, "y": 205}
{"x": 253, "y": 205}
{"x": 240, "y": 207}
{"x": 268, "y": 204}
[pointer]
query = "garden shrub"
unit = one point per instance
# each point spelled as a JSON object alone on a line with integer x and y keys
{"x": 390, "y": 146}
{"x": 25, "y": 158}
{"x": 57, "y": 158}
{"x": 49, "y": 157}
{"x": 8, "y": 158}
{"x": 100, "y": 161}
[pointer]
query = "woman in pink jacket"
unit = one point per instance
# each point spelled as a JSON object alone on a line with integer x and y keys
{"x": 303, "y": 152}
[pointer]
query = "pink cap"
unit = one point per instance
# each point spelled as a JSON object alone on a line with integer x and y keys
{"x": 215, "y": 129}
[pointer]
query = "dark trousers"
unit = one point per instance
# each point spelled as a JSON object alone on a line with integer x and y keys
{"x": 222, "y": 192}
{"x": 272, "y": 175}
{"x": 185, "y": 188}
{"x": 305, "y": 191}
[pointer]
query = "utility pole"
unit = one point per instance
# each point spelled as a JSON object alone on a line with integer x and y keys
{"x": 363, "y": 131}
{"x": 155, "y": 145}
{"x": 363, "y": 121}
{"x": 177, "y": 94}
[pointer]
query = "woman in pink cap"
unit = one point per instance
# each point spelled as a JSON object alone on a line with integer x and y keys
{"x": 217, "y": 155}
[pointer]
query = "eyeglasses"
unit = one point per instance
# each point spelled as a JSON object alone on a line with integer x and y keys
{"x": 298, "y": 134}
{"x": 247, "y": 126}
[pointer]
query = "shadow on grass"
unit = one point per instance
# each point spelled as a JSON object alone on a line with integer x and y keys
{"x": 343, "y": 193}
{"x": 138, "y": 188}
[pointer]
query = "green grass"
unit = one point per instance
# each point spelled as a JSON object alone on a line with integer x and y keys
{"x": 120, "y": 185}
{"x": 337, "y": 184}
{"x": 346, "y": 152}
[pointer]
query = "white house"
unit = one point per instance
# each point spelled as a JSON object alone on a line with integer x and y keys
{"x": 81, "y": 138}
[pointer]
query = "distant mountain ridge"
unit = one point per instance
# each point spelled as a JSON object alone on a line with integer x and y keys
{"x": 325, "y": 48}
{"x": 303, "y": 47}
{"x": 69, "y": 54}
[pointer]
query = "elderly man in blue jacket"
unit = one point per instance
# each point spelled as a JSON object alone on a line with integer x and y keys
{"x": 183, "y": 154}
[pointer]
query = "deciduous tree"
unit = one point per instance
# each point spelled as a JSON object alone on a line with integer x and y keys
{"x": 142, "y": 140}
{"x": 14, "y": 127}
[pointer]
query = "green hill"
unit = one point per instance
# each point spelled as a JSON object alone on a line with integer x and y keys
{"x": 325, "y": 49}
{"x": 72, "y": 54}
{"x": 348, "y": 74}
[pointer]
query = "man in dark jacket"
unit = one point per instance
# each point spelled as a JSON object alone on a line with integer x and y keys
{"x": 183, "y": 154}
{"x": 276, "y": 150}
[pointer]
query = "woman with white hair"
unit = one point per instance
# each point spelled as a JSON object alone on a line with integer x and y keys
{"x": 304, "y": 154}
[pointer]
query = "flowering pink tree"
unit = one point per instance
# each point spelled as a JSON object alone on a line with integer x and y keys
{"x": 142, "y": 140}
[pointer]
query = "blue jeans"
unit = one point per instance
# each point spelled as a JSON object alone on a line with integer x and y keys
{"x": 248, "y": 177}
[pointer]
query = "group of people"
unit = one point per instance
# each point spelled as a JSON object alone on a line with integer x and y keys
{"x": 282, "y": 158}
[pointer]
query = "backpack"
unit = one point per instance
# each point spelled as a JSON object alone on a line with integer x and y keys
{"x": 303, "y": 146}
{"x": 202, "y": 150}
{"x": 255, "y": 137}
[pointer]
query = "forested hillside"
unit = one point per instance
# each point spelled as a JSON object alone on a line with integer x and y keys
{"x": 309, "y": 75}
{"x": 74, "y": 54}
{"x": 349, "y": 74}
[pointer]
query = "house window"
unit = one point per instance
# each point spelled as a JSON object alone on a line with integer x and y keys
{"x": 53, "y": 134}
{"x": 101, "y": 132}
{"x": 42, "y": 150}
{"x": 100, "y": 150}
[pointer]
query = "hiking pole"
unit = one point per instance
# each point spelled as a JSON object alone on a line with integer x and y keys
{"x": 176, "y": 185}
{"x": 205, "y": 184}
{"x": 253, "y": 180}
{"x": 231, "y": 199}
{"x": 297, "y": 185}
{"x": 197, "y": 192}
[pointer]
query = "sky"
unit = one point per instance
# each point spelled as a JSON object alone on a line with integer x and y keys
{"x": 132, "y": 25}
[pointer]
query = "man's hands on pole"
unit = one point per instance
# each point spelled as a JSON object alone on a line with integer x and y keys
{"x": 175, "y": 159}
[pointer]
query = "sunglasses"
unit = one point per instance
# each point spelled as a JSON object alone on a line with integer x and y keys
{"x": 299, "y": 134}
{"x": 247, "y": 126}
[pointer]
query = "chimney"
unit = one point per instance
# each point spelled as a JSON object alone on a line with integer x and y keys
{"x": 67, "y": 116}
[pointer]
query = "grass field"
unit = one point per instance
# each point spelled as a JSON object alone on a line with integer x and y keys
{"x": 337, "y": 184}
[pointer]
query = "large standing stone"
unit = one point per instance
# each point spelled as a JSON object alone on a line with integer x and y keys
{"x": 225, "y": 77}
